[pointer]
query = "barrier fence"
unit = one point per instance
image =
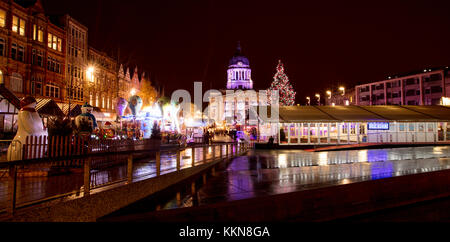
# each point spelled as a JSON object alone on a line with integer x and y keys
{"x": 34, "y": 181}
{"x": 59, "y": 146}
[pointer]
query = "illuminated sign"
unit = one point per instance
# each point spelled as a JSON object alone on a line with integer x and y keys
{"x": 378, "y": 126}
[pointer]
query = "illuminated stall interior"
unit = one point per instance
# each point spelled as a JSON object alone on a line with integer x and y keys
{"x": 305, "y": 125}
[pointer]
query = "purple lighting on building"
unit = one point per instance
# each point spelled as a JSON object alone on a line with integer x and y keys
{"x": 239, "y": 72}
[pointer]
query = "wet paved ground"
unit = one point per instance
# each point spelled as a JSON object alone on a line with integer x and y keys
{"x": 267, "y": 172}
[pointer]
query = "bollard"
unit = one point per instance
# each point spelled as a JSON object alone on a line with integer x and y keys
{"x": 178, "y": 160}
{"x": 158, "y": 163}
{"x": 130, "y": 169}
{"x": 87, "y": 176}
{"x": 12, "y": 189}
{"x": 193, "y": 188}
{"x": 193, "y": 156}
{"x": 178, "y": 198}
{"x": 204, "y": 178}
{"x": 204, "y": 153}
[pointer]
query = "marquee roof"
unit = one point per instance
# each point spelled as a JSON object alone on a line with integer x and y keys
{"x": 380, "y": 113}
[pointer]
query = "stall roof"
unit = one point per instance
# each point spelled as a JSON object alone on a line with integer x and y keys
{"x": 294, "y": 114}
{"x": 400, "y": 113}
{"x": 48, "y": 107}
{"x": 350, "y": 113}
{"x": 8, "y": 95}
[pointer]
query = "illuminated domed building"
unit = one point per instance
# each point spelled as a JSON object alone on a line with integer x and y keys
{"x": 239, "y": 72}
{"x": 230, "y": 107}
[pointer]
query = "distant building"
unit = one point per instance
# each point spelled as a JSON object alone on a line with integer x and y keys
{"x": 425, "y": 87}
{"x": 338, "y": 97}
{"x": 32, "y": 51}
{"x": 233, "y": 104}
{"x": 76, "y": 59}
{"x": 102, "y": 83}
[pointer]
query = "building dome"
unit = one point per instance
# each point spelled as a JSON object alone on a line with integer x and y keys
{"x": 239, "y": 72}
{"x": 238, "y": 57}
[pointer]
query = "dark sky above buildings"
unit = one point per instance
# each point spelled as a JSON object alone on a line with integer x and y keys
{"x": 323, "y": 44}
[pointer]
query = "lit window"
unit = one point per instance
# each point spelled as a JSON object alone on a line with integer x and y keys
{"x": 2, "y": 18}
{"x": 34, "y": 32}
{"x": 40, "y": 35}
{"x": 15, "y": 26}
{"x": 22, "y": 27}
{"x": 54, "y": 42}
{"x": 59, "y": 45}
{"x": 1, "y": 77}
{"x": 49, "y": 43}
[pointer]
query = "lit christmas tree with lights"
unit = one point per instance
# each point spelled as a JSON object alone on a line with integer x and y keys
{"x": 285, "y": 89}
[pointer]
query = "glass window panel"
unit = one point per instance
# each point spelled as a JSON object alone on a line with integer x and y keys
{"x": 15, "y": 25}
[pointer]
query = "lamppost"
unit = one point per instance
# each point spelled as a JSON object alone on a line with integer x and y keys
{"x": 343, "y": 90}
{"x": 309, "y": 100}
{"x": 318, "y": 98}
{"x": 329, "y": 94}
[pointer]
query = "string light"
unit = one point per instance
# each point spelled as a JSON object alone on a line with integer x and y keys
{"x": 281, "y": 83}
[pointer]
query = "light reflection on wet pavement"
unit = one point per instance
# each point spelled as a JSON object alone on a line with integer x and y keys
{"x": 34, "y": 188}
{"x": 268, "y": 172}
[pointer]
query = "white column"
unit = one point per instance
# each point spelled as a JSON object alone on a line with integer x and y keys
{"x": 289, "y": 133}
{"x": 357, "y": 132}
{"x": 309, "y": 133}
{"x": 318, "y": 126}
{"x": 348, "y": 133}
{"x": 328, "y": 133}
{"x": 338, "y": 126}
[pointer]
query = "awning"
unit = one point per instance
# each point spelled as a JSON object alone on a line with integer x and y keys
{"x": 8, "y": 95}
{"x": 48, "y": 107}
{"x": 382, "y": 113}
{"x": 75, "y": 109}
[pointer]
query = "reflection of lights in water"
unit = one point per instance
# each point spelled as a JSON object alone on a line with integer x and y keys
{"x": 282, "y": 161}
{"x": 437, "y": 150}
{"x": 323, "y": 158}
{"x": 362, "y": 155}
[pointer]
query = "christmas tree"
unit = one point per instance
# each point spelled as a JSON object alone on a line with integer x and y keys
{"x": 285, "y": 89}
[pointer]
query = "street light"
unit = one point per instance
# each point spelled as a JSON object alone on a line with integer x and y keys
{"x": 343, "y": 90}
{"x": 90, "y": 73}
{"x": 309, "y": 100}
{"x": 329, "y": 94}
{"x": 318, "y": 98}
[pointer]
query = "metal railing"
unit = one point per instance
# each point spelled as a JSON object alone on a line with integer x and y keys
{"x": 31, "y": 182}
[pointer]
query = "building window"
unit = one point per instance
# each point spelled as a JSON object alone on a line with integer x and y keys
{"x": 36, "y": 88}
{"x": 38, "y": 33}
{"x": 1, "y": 77}
{"x": 52, "y": 91}
{"x": 16, "y": 82}
{"x": 33, "y": 57}
{"x": 21, "y": 54}
{"x": 18, "y": 25}
{"x": 2, "y": 18}
{"x": 2, "y": 47}
{"x": 14, "y": 51}
{"x": 40, "y": 59}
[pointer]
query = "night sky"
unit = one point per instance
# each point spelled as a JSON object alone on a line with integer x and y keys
{"x": 322, "y": 44}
